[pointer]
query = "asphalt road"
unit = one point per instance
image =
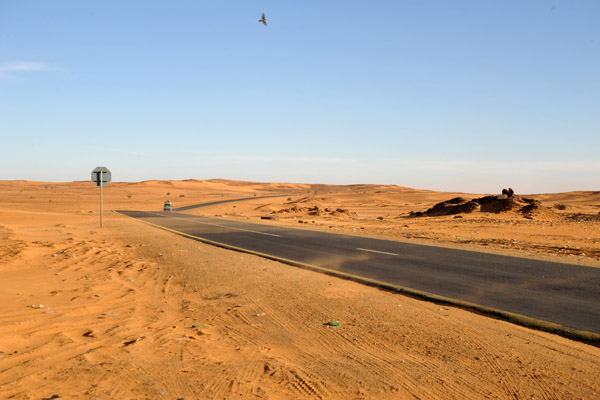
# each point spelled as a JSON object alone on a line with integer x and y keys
{"x": 185, "y": 208}
{"x": 564, "y": 294}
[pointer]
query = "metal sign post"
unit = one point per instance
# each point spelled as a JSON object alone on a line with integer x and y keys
{"x": 101, "y": 208}
{"x": 101, "y": 176}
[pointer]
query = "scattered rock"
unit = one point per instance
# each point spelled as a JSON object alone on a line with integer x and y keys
{"x": 578, "y": 217}
{"x": 315, "y": 211}
{"x": 130, "y": 342}
{"x": 342, "y": 211}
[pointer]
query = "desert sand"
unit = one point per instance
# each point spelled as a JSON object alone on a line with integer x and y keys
{"x": 128, "y": 311}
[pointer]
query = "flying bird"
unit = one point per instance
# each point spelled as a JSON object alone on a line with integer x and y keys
{"x": 263, "y": 19}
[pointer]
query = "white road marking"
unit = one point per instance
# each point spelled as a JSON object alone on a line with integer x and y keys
{"x": 377, "y": 251}
{"x": 221, "y": 226}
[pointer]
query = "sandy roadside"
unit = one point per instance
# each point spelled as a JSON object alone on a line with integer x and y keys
{"x": 132, "y": 312}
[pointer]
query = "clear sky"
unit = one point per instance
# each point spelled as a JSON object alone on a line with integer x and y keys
{"x": 450, "y": 95}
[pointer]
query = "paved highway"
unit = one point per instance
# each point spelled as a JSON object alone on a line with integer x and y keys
{"x": 568, "y": 295}
{"x": 224, "y": 201}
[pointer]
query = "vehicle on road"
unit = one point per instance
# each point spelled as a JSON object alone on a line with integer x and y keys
{"x": 168, "y": 206}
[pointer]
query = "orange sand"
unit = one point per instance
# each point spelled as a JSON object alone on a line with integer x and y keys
{"x": 129, "y": 311}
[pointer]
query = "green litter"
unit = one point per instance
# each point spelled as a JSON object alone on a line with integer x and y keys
{"x": 333, "y": 323}
{"x": 89, "y": 351}
{"x": 199, "y": 326}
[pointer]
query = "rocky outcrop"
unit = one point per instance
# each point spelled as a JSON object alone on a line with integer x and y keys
{"x": 505, "y": 202}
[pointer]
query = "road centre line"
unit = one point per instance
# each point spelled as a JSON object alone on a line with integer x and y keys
{"x": 377, "y": 251}
{"x": 221, "y": 226}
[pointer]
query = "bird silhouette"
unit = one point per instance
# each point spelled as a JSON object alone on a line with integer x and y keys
{"x": 263, "y": 19}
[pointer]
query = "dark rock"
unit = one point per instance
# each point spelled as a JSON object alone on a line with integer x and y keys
{"x": 314, "y": 211}
{"x": 453, "y": 206}
{"x": 508, "y": 192}
{"x": 507, "y": 201}
{"x": 456, "y": 200}
{"x": 343, "y": 211}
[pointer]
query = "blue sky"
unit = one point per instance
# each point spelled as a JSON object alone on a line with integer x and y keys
{"x": 450, "y": 95}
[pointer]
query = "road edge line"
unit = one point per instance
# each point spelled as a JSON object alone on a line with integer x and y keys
{"x": 586, "y": 337}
